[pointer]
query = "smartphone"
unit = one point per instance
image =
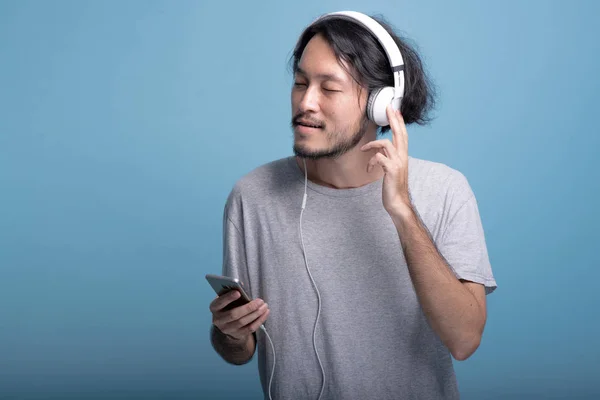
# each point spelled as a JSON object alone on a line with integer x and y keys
{"x": 223, "y": 284}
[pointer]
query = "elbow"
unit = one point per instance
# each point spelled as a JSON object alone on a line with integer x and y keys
{"x": 466, "y": 348}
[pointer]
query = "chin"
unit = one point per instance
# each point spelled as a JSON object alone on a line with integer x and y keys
{"x": 307, "y": 145}
{"x": 303, "y": 151}
{"x": 311, "y": 152}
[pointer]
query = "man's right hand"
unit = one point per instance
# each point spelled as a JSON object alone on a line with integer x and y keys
{"x": 238, "y": 323}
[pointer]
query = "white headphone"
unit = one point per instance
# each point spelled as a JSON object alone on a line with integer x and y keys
{"x": 380, "y": 97}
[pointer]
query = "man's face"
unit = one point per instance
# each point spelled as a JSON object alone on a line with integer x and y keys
{"x": 328, "y": 116}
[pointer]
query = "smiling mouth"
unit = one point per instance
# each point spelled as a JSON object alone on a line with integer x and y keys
{"x": 309, "y": 125}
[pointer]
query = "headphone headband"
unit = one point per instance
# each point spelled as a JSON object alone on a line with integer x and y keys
{"x": 391, "y": 49}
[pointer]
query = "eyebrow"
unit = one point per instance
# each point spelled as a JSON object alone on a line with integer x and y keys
{"x": 325, "y": 77}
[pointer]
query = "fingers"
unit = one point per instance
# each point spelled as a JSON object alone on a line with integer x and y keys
{"x": 242, "y": 311}
{"x": 379, "y": 159}
{"x": 253, "y": 327}
{"x": 248, "y": 324}
{"x": 238, "y": 324}
{"x": 235, "y": 318}
{"x": 247, "y": 319}
{"x": 399, "y": 133}
{"x": 382, "y": 144}
{"x": 390, "y": 153}
{"x": 223, "y": 301}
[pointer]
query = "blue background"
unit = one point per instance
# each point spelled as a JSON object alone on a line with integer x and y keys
{"x": 123, "y": 126}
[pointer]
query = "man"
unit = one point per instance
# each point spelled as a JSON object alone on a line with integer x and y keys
{"x": 371, "y": 289}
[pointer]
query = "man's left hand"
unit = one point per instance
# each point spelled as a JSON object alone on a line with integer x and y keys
{"x": 393, "y": 158}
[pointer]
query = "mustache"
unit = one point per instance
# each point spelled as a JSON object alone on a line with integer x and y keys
{"x": 295, "y": 121}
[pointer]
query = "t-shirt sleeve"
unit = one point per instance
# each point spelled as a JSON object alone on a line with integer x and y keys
{"x": 463, "y": 243}
{"x": 234, "y": 250}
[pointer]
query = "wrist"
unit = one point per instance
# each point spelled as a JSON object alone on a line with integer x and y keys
{"x": 228, "y": 337}
{"x": 401, "y": 211}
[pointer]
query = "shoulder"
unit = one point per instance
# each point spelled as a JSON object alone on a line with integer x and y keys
{"x": 263, "y": 181}
{"x": 438, "y": 178}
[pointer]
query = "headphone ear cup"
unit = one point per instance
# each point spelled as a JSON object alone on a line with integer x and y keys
{"x": 377, "y": 104}
{"x": 371, "y": 102}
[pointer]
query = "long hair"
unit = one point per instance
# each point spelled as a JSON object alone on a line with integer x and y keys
{"x": 369, "y": 65}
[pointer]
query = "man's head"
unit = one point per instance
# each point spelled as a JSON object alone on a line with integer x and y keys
{"x": 336, "y": 64}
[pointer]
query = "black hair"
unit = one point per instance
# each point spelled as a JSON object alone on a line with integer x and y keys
{"x": 369, "y": 65}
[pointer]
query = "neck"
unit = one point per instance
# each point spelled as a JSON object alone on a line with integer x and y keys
{"x": 345, "y": 172}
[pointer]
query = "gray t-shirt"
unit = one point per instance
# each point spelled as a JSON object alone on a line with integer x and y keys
{"x": 372, "y": 336}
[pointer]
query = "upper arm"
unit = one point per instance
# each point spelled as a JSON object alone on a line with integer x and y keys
{"x": 462, "y": 241}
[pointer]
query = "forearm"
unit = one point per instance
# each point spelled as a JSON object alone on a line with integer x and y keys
{"x": 233, "y": 351}
{"x": 451, "y": 309}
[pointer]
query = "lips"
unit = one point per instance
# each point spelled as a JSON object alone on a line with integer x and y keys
{"x": 308, "y": 124}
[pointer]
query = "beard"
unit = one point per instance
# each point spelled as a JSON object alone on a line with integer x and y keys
{"x": 339, "y": 141}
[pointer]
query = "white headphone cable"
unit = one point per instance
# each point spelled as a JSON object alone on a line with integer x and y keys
{"x": 311, "y": 278}
{"x": 262, "y": 327}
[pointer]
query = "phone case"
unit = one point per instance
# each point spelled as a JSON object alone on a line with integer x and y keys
{"x": 223, "y": 284}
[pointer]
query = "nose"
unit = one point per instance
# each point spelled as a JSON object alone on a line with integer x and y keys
{"x": 309, "y": 101}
